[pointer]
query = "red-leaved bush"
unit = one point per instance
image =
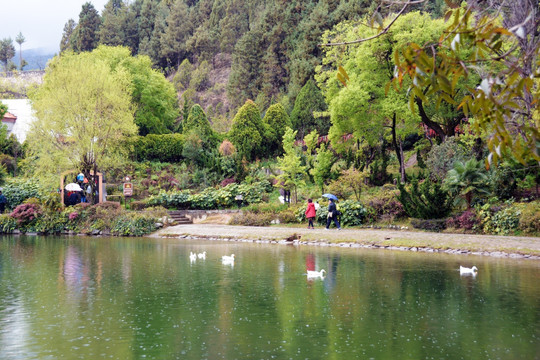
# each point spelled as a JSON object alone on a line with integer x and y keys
{"x": 26, "y": 212}
{"x": 227, "y": 181}
{"x": 467, "y": 220}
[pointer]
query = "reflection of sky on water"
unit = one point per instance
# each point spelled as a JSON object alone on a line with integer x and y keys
{"x": 14, "y": 330}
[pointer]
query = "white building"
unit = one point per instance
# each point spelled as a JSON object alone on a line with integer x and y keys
{"x": 22, "y": 110}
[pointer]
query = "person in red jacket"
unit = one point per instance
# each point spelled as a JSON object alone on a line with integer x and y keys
{"x": 310, "y": 213}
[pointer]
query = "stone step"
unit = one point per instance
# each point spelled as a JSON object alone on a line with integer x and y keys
{"x": 179, "y": 218}
{"x": 183, "y": 221}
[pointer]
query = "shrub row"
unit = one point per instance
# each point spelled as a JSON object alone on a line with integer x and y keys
{"x": 164, "y": 148}
{"x": 33, "y": 216}
{"x": 211, "y": 198}
{"x": 512, "y": 218}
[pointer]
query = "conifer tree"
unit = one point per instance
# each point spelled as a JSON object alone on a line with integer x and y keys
{"x": 7, "y": 52}
{"x": 177, "y": 32}
{"x": 66, "y": 42}
{"x": 309, "y": 100}
{"x": 86, "y": 33}
{"x": 277, "y": 121}
{"x": 247, "y": 131}
{"x": 245, "y": 70}
{"x": 200, "y": 140}
{"x": 113, "y": 27}
{"x": 146, "y": 24}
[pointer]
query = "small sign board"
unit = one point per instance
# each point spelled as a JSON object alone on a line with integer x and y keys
{"x": 128, "y": 189}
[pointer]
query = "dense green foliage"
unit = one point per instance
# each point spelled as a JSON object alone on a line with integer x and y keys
{"x": 154, "y": 97}
{"x": 18, "y": 191}
{"x": 425, "y": 201}
{"x": 276, "y": 120}
{"x": 368, "y": 120}
{"x": 165, "y": 148}
{"x": 467, "y": 179}
{"x": 292, "y": 171}
{"x": 247, "y": 132}
{"x": 210, "y": 198}
{"x": 303, "y": 116}
{"x": 273, "y": 44}
{"x": 83, "y": 114}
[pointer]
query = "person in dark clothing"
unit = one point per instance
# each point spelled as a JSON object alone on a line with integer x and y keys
{"x": 3, "y": 202}
{"x": 332, "y": 215}
{"x": 74, "y": 198}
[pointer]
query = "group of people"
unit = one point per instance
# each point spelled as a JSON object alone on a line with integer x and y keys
{"x": 333, "y": 214}
{"x": 76, "y": 197}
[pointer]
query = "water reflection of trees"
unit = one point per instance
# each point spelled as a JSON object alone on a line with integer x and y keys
{"x": 149, "y": 301}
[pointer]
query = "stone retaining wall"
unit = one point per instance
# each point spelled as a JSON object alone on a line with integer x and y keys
{"x": 498, "y": 254}
{"x": 199, "y": 215}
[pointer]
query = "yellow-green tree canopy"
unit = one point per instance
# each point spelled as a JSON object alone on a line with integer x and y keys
{"x": 155, "y": 100}
{"x": 83, "y": 113}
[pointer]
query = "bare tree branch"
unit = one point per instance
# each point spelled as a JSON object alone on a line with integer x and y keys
{"x": 384, "y": 31}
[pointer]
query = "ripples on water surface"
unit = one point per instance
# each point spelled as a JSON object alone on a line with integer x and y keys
{"x": 93, "y": 298}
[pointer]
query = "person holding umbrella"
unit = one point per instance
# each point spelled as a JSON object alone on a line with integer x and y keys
{"x": 333, "y": 213}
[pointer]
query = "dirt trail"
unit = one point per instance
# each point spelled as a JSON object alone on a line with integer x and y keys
{"x": 502, "y": 246}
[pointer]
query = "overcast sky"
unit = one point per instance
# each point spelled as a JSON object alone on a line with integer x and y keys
{"x": 40, "y": 21}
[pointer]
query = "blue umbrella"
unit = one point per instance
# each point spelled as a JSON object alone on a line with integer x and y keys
{"x": 330, "y": 196}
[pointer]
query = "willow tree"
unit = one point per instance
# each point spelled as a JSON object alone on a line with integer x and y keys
{"x": 83, "y": 113}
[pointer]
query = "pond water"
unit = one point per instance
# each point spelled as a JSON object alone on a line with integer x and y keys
{"x": 118, "y": 298}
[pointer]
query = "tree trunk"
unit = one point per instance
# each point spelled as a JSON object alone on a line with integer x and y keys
{"x": 427, "y": 121}
{"x": 468, "y": 198}
{"x": 399, "y": 151}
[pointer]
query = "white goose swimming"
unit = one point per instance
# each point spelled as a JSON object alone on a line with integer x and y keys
{"x": 192, "y": 256}
{"x": 466, "y": 270}
{"x": 315, "y": 274}
{"x": 202, "y": 255}
{"x": 227, "y": 259}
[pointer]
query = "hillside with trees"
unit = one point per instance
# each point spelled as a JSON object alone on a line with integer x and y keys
{"x": 422, "y": 113}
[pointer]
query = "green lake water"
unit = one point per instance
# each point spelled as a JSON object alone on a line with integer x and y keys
{"x": 127, "y": 298}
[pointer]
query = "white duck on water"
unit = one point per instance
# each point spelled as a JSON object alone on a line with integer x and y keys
{"x": 192, "y": 256}
{"x": 466, "y": 270}
{"x": 202, "y": 255}
{"x": 316, "y": 274}
{"x": 227, "y": 259}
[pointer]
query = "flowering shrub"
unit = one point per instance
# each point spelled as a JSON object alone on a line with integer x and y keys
{"x": 73, "y": 215}
{"x": 25, "y": 213}
{"x": 467, "y": 220}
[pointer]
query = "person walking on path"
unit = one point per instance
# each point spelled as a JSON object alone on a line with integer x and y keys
{"x": 332, "y": 215}
{"x": 3, "y": 202}
{"x": 310, "y": 213}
